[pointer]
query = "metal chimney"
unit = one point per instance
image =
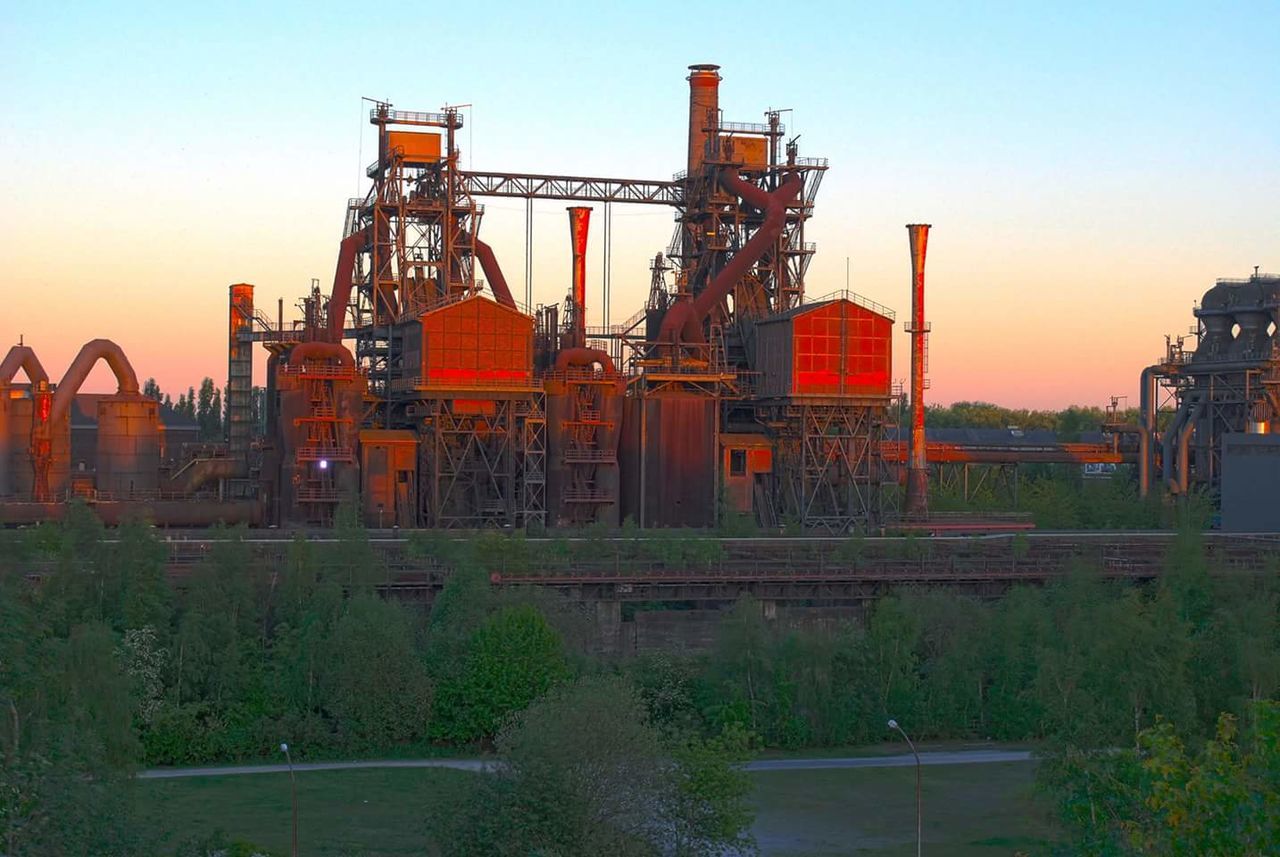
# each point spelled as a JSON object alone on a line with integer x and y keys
{"x": 918, "y": 461}
{"x": 579, "y": 221}
{"x": 704, "y": 111}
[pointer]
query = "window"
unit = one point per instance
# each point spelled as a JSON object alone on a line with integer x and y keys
{"x": 737, "y": 462}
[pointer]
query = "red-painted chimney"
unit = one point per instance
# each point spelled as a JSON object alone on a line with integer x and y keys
{"x": 579, "y": 221}
{"x": 918, "y": 461}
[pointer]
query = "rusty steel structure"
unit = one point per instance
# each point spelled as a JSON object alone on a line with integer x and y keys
{"x": 417, "y": 387}
{"x": 1227, "y": 384}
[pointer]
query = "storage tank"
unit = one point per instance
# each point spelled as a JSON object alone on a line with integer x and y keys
{"x": 1215, "y": 315}
{"x": 1251, "y": 342}
{"x": 19, "y": 408}
{"x": 128, "y": 446}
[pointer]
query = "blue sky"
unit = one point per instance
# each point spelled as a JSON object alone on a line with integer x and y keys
{"x": 1089, "y": 168}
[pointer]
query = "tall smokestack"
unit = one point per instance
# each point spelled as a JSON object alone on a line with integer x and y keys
{"x": 240, "y": 373}
{"x": 579, "y": 221}
{"x": 918, "y": 461}
{"x": 704, "y": 110}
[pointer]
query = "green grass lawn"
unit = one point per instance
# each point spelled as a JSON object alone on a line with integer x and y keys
{"x": 969, "y": 810}
{"x": 367, "y": 812}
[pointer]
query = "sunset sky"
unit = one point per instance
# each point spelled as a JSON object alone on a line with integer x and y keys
{"x": 1089, "y": 169}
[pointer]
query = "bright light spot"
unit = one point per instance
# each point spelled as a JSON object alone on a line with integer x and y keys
{"x": 324, "y": 464}
{"x": 893, "y": 724}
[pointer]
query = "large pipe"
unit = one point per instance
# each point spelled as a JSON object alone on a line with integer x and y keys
{"x": 579, "y": 223}
{"x": 1184, "y": 446}
{"x": 918, "y": 463}
{"x": 22, "y": 357}
{"x": 492, "y": 271}
{"x": 704, "y": 108}
{"x": 1147, "y": 427}
{"x": 571, "y": 357}
{"x": 1171, "y": 435}
{"x": 683, "y": 321}
{"x": 343, "y": 277}
{"x": 90, "y": 354}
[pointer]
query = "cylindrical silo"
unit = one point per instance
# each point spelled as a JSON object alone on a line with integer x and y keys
{"x": 128, "y": 446}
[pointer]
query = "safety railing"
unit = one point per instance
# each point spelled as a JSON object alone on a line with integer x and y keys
{"x": 864, "y": 302}
{"x": 752, "y": 128}
{"x": 411, "y": 117}
{"x": 590, "y": 456}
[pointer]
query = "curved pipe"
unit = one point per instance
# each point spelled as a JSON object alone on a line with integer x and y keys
{"x": 1184, "y": 447}
{"x": 1176, "y": 436}
{"x": 1146, "y": 428}
{"x": 336, "y": 317}
{"x": 493, "y": 272}
{"x": 22, "y": 357}
{"x": 90, "y": 354}
{"x": 321, "y": 351}
{"x": 571, "y": 357}
{"x": 1168, "y": 464}
{"x": 683, "y": 322}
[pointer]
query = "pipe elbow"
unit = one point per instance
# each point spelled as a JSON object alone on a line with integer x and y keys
{"x": 571, "y": 358}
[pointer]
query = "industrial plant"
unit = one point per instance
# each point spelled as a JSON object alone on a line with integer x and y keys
{"x": 421, "y": 388}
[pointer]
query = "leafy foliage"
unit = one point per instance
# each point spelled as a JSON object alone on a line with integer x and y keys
{"x": 585, "y": 773}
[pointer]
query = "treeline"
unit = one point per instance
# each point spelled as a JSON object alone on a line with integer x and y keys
{"x": 1061, "y": 497}
{"x": 206, "y": 407}
{"x": 106, "y": 666}
{"x": 1069, "y": 423}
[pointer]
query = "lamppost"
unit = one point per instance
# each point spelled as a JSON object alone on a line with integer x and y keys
{"x": 893, "y": 724}
{"x": 293, "y": 787}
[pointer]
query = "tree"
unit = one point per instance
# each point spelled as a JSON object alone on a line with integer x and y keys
{"x": 513, "y": 658}
{"x": 151, "y": 390}
{"x": 373, "y": 677}
{"x": 584, "y": 774}
{"x": 1162, "y": 799}
{"x": 208, "y": 411}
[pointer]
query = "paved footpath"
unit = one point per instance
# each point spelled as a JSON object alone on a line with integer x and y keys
{"x": 955, "y": 757}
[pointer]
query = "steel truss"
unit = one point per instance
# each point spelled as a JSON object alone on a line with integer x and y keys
{"x": 483, "y": 464}
{"x": 419, "y": 226}
{"x": 828, "y": 472}
{"x": 1227, "y": 401}
{"x": 575, "y": 188}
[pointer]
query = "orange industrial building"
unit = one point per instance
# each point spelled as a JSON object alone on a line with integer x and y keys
{"x": 422, "y": 389}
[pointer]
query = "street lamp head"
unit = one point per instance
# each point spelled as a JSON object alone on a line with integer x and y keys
{"x": 284, "y": 748}
{"x": 893, "y": 724}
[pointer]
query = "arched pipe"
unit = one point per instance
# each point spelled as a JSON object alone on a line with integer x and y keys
{"x": 90, "y": 354}
{"x": 22, "y": 357}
